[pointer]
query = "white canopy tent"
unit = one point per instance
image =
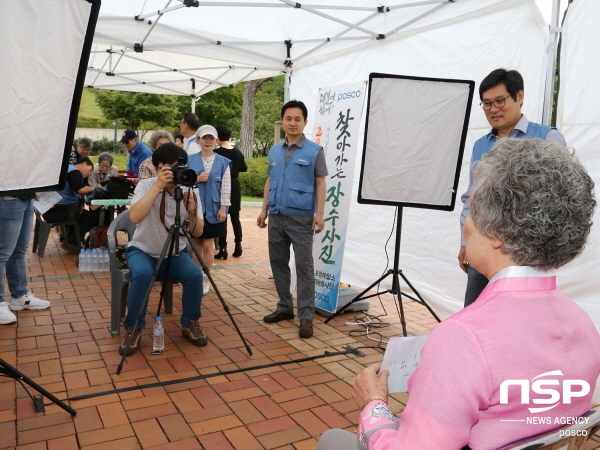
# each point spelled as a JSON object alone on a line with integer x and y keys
{"x": 329, "y": 43}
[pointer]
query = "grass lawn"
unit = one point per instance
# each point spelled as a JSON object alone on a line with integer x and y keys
{"x": 251, "y": 199}
{"x": 88, "y": 107}
{"x": 118, "y": 160}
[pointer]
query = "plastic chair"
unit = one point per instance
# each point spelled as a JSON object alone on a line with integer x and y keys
{"x": 568, "y": 437}
{"x": 42, "y": 229}
{"x": 120, "y": 278}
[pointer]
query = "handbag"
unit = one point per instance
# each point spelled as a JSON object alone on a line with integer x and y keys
{"x": 118, "y": 187}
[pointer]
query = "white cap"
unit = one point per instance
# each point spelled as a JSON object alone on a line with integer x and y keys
{"x": 205, "y": 130}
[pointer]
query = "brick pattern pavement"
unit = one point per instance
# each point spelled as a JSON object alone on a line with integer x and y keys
{"x": 69, "y": 351}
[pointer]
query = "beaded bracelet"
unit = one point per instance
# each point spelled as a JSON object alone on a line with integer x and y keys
{"x": 375, "y": 397}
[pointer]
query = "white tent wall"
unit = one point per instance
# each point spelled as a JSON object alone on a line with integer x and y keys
{"x": 578, "y": 119}
{"x": 500, "y": 34}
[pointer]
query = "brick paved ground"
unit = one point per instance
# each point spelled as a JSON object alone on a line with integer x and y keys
{"x": 69, "y": 351}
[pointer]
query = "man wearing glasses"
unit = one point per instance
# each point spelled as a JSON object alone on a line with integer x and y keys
{"x": 501, "y": 94}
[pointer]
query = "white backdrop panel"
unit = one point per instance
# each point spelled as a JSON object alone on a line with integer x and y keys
{"x": 464, "y": 49}
{"x": 36, "y": 87}
{"x": 414, "y": 133}
{"x": 579, "y": 120}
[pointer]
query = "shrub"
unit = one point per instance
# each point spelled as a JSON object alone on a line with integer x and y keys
{"x": 253, "y": 182}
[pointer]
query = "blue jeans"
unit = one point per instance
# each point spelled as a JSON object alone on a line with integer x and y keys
{"x": 16, "y": 222}
{"x": 183, "y": 269}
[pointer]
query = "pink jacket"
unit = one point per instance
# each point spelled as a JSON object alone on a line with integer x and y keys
{"x": 520, "y": 327}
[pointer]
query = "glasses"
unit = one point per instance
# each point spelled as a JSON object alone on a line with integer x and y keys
{"x": 105, "y": 166}
{"x": 497, "y": 103}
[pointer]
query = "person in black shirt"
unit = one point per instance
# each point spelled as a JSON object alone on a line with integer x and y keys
{"x": 238, "y": 164}
{"x": 70, "y": 195}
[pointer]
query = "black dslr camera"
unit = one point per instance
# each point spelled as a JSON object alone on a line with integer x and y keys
{"x": 183, "y": 175}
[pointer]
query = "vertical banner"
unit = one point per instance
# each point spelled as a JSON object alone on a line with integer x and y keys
{"x": 337, "y": 124}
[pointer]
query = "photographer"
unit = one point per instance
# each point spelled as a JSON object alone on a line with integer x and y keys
{"x": 153, "y": 209}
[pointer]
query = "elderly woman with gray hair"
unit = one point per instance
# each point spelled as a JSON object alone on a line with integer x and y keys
{"x": 103, "y": 170}
{"x": 158, "y": 138}
{"x": 531, "y": 212}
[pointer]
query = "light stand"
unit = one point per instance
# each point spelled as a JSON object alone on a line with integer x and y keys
{"x": 6, "y": 370}
{"x": 395, "y": 290}
{"x": 172, "y": 244}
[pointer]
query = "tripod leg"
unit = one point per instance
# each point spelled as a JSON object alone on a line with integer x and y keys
{"x": 165, "y": 277}
{"x": 359, "y": 296}
{"x": 9, "y": 371}
{"x": 397, "y": 292}
{"x": 420, "y": 298}
{"x": 225, "y": 306}
{"x": 171, "y": 236}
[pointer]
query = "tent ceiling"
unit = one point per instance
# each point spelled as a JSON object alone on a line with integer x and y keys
{"x": 226, "y": 42}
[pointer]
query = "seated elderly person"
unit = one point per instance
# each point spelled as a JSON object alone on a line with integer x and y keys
{"x": 102, "y": 171}
{"x": 531, "y": 212}
{"x": 158, "y": 138}
{"x": 70, "y": 196}
{"x": 153, "y": 209}
{"x": 84, "y": 147}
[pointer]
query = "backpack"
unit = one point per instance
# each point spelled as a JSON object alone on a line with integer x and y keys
{"x": 97, "y": 238}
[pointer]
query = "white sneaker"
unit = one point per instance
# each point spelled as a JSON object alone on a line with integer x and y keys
{"x": 205, "y": 285}
{"x": 28, "y": 301}
{"x": 6, "y": 315}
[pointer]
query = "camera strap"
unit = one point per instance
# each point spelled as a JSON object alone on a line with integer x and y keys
{"x": 163, "y": 208}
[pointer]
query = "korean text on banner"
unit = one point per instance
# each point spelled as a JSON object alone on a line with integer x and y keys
{"x": 337, "y": 124}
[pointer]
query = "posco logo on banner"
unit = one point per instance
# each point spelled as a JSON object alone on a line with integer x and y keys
{"x": 348, "y": 95}
{"x": 537, "y": 386}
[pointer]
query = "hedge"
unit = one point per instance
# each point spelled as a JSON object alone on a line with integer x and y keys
{"x": 253, "y": 181}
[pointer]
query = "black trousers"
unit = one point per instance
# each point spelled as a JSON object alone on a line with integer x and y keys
{"x": 237, "y": 229}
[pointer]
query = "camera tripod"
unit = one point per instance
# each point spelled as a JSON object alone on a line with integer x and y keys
{"x": 395, "y": 290}
{"x": 171, "y": 246}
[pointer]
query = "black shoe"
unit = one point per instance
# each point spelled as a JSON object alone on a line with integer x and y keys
{"x": 278, "y": 316}
{"x": 238, "y": 250}
{"x": 137, "y": 335}
{"x": 306, "y": 328}
{"x": 222, "y": 254}
{"x": 71, "y": 248}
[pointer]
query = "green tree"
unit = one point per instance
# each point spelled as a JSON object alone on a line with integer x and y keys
{"x": 269, "y": 100}
{"x": 133, "y": 109}
{"x": 223, "y": 105}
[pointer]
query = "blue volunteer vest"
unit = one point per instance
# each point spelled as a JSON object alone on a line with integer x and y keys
{"x": 292, "y": 185}
{"x": 485, "y": 144}
{"x": 210, "y": 191}
{"x": 68, "y": 195}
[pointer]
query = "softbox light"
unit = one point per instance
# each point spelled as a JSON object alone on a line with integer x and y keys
{"x": 44, "y": 51}
{"x": 414, "y": 140}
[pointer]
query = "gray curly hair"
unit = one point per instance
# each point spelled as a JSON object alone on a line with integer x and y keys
{"x": 537, "y": 198}
{"x": 154, "y": 137}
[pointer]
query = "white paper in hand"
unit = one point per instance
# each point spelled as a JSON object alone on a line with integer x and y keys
{"x": 46, "y": 200}
{"x": 401, "y": 358}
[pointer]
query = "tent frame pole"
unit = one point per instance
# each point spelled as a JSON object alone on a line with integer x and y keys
{"x": 551, "y": 63}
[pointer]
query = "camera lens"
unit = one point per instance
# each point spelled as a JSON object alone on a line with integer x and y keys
{"x": 186, "y": 177}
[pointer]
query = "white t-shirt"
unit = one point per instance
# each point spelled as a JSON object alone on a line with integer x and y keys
{"x": 151, "y": 234}
{"x": 190, "y": 145}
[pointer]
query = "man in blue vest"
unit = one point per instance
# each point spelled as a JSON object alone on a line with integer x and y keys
{"x": 138, "y": 151}
{"x": 294, "y": 201}
{"x": 71, "y": 196}
{"x": 501, "y": 94}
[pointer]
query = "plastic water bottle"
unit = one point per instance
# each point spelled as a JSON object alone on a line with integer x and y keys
{"x": 106, "y": 256}
{"x": 159, "y": 336}
{"x": 95, "y": 256}
{"x": 82, "y": 263}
